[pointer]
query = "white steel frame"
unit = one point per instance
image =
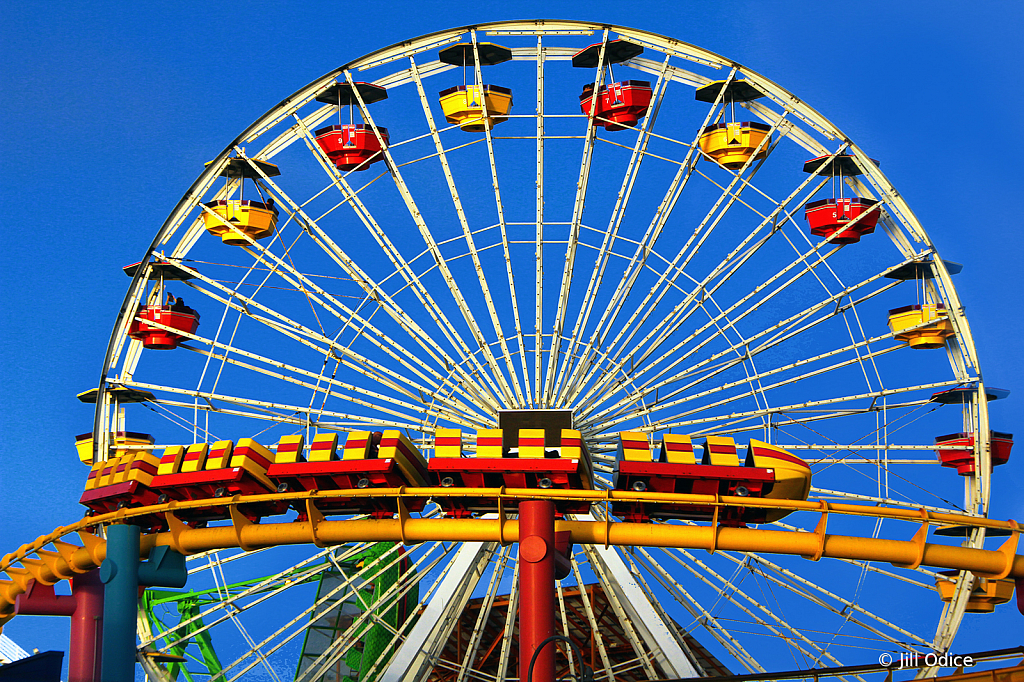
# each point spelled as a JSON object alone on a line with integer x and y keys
{"x": 649, "y": 361}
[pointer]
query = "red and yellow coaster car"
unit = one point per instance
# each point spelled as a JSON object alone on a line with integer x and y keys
{"x": 768, "y": 472}
{"x": 564, "y": 464}
{"x": 121, "y": 481}
{"x": 201, "y": 471}
{"x": 368, "y": 460}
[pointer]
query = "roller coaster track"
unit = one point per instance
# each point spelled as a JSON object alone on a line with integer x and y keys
{"x": 50, "y": 567}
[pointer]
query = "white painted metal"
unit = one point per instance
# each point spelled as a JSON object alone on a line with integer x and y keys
{"x": 661, "y": 639}
{"x": 419, "y": 334}
{"x": 415, "y": 658}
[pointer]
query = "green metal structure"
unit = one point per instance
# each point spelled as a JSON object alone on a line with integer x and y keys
{"x": 176, "y": 618}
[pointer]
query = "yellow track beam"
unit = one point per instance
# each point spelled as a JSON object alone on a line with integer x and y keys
{"x": 70, "y": 559}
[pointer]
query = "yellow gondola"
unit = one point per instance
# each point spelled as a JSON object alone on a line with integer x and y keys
{"x": 464, "y": 106}
{"x": 252, "y": 218}
{"x": 475, "y": 107}
{"x": 933, "y": 315}
{"x": 235, "y": 219}
{"x": 732, "y": 144}
{"x": 985, "y": 595}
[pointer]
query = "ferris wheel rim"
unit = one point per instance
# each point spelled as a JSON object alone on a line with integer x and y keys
{"x": 906, "y": 217}
{"x": 962, "y": 328}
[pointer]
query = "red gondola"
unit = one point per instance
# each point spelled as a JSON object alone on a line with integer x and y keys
{"x": 963, "y": 460}
{"x": 832, "y": 218}
{"x": 843, "y": 220}
{"x": 620, "y": 105}
{"x": 183, "y": 320}
{"x": 352, "y": 146}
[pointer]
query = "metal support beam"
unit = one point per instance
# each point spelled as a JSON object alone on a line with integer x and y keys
{"x": 537, "y": 590}
{"x": 415, "y": 658}
{"x": 85, "y": 607}
{"x": 121, "y": 574}
{"x": 656, "y": 633}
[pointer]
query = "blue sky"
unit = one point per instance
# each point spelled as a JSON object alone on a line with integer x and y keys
{"x": 111, "y": 108}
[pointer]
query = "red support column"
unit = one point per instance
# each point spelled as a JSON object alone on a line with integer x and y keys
{"x": 536, "y": 588}
{"x": 85, "y": 606}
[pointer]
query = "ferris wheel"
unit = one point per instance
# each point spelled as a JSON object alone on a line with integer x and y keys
{"x": 455, "y": 247}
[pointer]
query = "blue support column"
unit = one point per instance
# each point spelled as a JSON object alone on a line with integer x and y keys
{"x": 122, "y": 573}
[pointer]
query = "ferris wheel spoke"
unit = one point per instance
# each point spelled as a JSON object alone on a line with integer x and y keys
{"x": 404, "y": 585}
{"x": 350, "y": 590}
{"x": 729, "y": 195}
{"x": 347, "y": 392}
{"x": 731, "y": 592}
{"x": 524, "y": 400}
{"x": 484, "y": 613}
{"x": 433, "y": 381}
{"x": 566, "y": 631}
{"x": 661, "y": 406}
{"x": 468, "y": 234}
{"x": 734, "y": 417}
{"x": 741, "y": 424}
{"x": 784, "y": 330}
{"x": 263, "y": 410}
{"x": 423, "y": 645}
{"x": 505, "y": 653}
{"x": 538, "y": 246}
{"x": 793, "y": 582}
{"x": 396, "y": 312}
{"x": 632, "y": 639}
{"x": 612, "y": 232}
{"x": 131, "y": 359}
{"x": 646, "y": 244}
{"x": 626, "y": 282}
{"x": 588, "y": 608}
{"x": 262, "y": 590}
{"x": 666, "y": 403}
{"x": 708, "y": 286}
{"x": 670, "y": 625}
{"x": 505, "y": 391}
{"x": 311, "y": 339}
{"x": 701, "y": 615}
{"x": 743, "y": 356}
{"x": 882, "y": 480}
{"x": 623, "y": 591}
{"x": 395, "y": 592}
{"x": 681, "y": 312}
{"x": 729, "y": 265}
{"x": 582, "y": 184}
{"x": 888, "y": 501}
{"x": 852, "y": 309}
